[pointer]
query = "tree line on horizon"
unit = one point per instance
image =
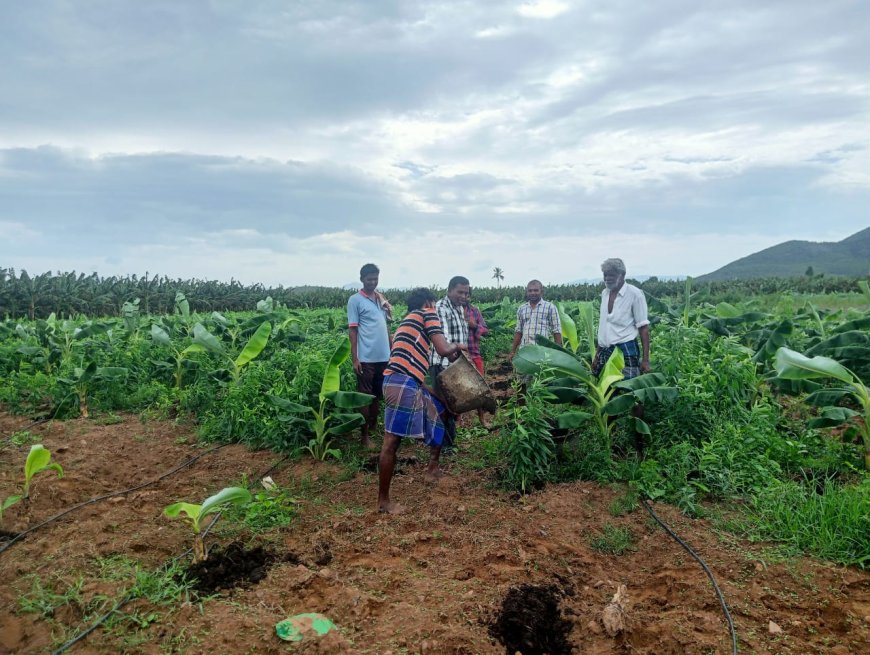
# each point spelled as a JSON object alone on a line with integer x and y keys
{"x": 69, "y": 294}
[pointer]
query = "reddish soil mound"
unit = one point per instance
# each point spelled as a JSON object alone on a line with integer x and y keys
{"x": 428, "y": 581}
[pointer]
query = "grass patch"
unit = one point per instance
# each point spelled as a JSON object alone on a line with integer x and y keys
{"x": 613, "y": 540}
{"x": 625, "y": 504}
{"x": 828, "y": 520}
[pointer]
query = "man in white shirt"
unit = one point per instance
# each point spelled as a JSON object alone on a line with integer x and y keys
{"x": 622, "y": 320}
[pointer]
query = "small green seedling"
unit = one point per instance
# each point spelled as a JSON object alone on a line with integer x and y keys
{"x": 38, "y": 459}
{"x": 196, "y": 513}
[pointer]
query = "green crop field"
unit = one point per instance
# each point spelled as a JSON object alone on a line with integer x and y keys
{"x": 757, "y": 414}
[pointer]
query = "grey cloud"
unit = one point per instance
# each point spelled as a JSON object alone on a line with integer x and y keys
{"x": 126, "y": 198}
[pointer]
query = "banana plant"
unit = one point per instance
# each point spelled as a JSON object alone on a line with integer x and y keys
{"x": 323, "y": 423}
{"x": 569, "y": 380}
{"x": 791, "y": 365}
{"x": 571, "y": 334}
{"x": 251, "y": 351}
{"x": 83, "y": 378}
{"x": 196, "y": 513}
{"x": 38, "y": 460}
{"x": 205, "y": 341}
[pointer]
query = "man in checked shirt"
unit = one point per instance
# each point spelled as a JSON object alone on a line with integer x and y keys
{"x": 537, "y": 316}
{"x": 451, "y": 313}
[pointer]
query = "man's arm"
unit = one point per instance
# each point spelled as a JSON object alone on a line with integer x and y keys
{"x": 516, "y": 344}
{"x": 481, "y": 325}
{"x": 518, "y": 333}
{"x": 643, "y": 331}
{"x": 353, "y": 333}
{"x": 556, "y": 325}
{"x": 641, "y": 317}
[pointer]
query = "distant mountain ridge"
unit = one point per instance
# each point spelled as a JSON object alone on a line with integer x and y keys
{"x": 851, "y": 257}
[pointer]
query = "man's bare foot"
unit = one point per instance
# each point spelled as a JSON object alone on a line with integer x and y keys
{"x": 391, "y": 508}
{"x": 432, "y": 476}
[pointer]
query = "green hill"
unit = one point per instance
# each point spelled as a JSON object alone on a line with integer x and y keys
{"x": 851, "y": 256}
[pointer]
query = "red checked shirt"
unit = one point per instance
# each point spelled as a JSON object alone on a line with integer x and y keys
{"x": 475, "y": 334}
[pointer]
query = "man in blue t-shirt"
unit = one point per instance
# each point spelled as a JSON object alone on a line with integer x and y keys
{"x": 368, "y": 317}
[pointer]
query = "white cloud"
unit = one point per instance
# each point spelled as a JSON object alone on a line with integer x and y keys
{"x": 543, "y": 9}
{"x": 14, "y": 231}
{"x": 333, "y": 127}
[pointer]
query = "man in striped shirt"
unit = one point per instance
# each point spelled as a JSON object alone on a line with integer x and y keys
{"x": 534, "y": 317}
{"x": 410, "y": 409}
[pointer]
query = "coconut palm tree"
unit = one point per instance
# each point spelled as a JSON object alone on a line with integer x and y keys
{"x": 498, "y": 275}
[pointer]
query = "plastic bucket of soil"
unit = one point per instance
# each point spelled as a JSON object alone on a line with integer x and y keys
{"x": 463, "y": 388}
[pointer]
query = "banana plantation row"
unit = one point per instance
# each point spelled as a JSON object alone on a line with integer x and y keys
{"x": 766, "y": 403}
{"x": 69, "y": 294}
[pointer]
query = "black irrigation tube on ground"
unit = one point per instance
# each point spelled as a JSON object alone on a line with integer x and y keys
{"x": 706, "y": 570}
{"x": 129, "y": 597}
{"x": 96, "y": 499}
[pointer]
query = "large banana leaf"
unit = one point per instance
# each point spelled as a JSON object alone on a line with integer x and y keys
{"x": 289, "y": 405}
{"x": 332, "y": 374}
{"x": 848, "y": 353}
{"x": 569, "y": 327}
{"x": 255, "y": 344}
{"x": 234, "y": 495}
{"x": 651, "y": 387}
{"x": 776, "y": 339}
{"x": 111, "y": 372}
{"x": 840, "y": 340}
{"x": 350, "y": 399}
{"x": 717, "y": 326}
{"x": 566, "y": 394}
{"x": 640, "y": 426}
{"x": 532, "y": 359}
{"x": 656, "y": 394}
{"x": 794, "y": 387}
{"x": 644, "y": 381}
{"x": 619, "y": 404}
{"x": 588, "y": 324}
{"x": 346, "y": 423}
{"x": 612, "y": 372}
{"x": 572, "y": 420}
{"x": 793, "y": 365}
{"x": 159, "y": 335}
{"x": 726, "y": 310}
{"x": 89, "y": 329}
{"x": 182, "y": 306}
{"x": 854, "y": 324}
{"x": 832, "y": 417}
{"x": 206, "y": 339}
{"x": 826, "y": 397}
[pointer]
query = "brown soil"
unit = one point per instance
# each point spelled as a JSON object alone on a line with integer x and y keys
{"x": 233, "y": 566}
{"x": 433, "y": 580}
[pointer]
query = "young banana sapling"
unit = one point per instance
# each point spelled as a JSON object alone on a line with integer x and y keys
{"x": 196, "y": 513}
{"x": 38, "y": 460}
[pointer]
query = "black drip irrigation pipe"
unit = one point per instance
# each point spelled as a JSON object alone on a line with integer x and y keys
{"x": 706, "y": 570}
{"x": 97, "y": 499}
{"x": 129, "y": 597}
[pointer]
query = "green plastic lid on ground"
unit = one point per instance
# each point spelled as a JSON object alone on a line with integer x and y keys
{"x": 306, "y": 626}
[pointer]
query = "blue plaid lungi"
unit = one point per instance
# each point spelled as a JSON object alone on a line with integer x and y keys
{"x": 411, "y": 411}
{"x": 631, "y": 353}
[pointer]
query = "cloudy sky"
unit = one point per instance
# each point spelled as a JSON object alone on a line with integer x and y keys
{"x": 289, "y": 142}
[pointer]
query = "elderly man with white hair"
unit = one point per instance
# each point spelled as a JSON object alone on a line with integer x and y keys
{"x": 622, "y": 320}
